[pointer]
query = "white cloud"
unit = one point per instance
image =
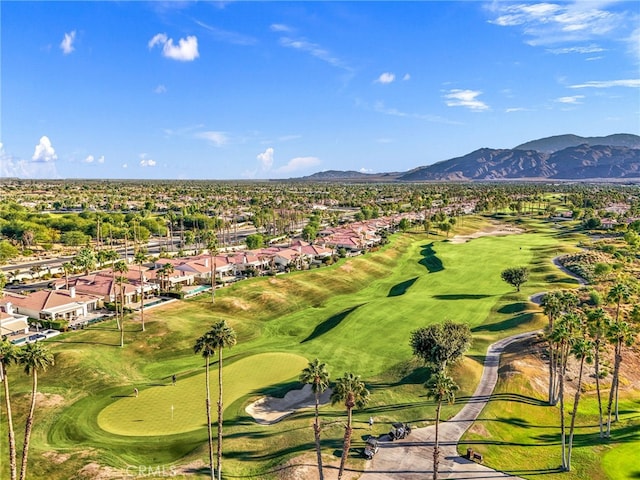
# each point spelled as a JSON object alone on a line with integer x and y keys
{"x": 14, "y": 167}
{"x": 185, "y": 51}
{"x": 566, "y": 22}
{"x": 92, "y": 159}
{"x": 299, "y": 163}
{"x": 586, "y": 49}
{"x": 365, "y": 170}
{"x": 406, "y": 77}
{"x": 217, "y": 138}
{"x": 386, "y": 77}
{"x": 44, "y": 151}
{"x": 146, "y": 162}
{"x": 124, "y": 165}
{"x": 516, "y": 109}
{"x": 160, "y": 89}
{"x": 266, "y": 158}
{"x": 314, "y": 50}
{"x": 574, "y": 100}
{"x": 465, "y": 98}
{"x": 227, "y": 36}
{"x": 631, "y": 83}
{"x": 67, "y": 42}
{"x": 279, "y": 27}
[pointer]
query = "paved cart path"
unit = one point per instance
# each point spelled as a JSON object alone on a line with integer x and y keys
{"x": 412, "y": 458}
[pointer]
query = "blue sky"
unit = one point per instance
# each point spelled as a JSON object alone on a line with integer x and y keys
{"x": 256, "y": 90}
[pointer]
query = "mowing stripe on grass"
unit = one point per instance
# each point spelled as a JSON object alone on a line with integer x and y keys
{"x": 168, "y": 410}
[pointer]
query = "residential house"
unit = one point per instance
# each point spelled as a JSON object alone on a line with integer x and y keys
{"x": 54, "y": 304}
{"x": 11, "y": 322}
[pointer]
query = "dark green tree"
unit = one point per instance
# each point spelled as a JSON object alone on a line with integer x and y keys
{"x": 515, "y": 276}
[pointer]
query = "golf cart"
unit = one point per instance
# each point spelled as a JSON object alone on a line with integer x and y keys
{"x": 399, "y": 430}
{"x": 370, "y": 448}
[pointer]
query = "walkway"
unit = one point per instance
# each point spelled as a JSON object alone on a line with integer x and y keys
{"x": 412, "y": 458}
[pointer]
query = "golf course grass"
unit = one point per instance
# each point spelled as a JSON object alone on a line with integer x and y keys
{"x": 168, "y": 409}
{"x": 356, "y": 316}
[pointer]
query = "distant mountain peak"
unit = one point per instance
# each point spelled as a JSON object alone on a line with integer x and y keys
{"x": 561, "y": 157}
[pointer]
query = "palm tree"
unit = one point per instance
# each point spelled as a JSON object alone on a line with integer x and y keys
{"x": 205, "y": 345}
{"x": 140, "y": 258}
{"x": 441, "y": 388}
{"x": 67, "y": 268}
{"x": 581, "y": 349}
{"x": 121, "y": 267}
{"x": 165, "y": 272}
{"x": 85, "y": 259}
{"x": 212, "y": 246}
{"x": 619, "y": 293}
{"x": 316, "y": 375}
{"x": 620, "y": 334}
{"x": 8, "y": 355}
{"x": 222, "y": 335}
{"x": 352, "y": 392}
{"x": 33, "y": 357}
{"x": 598, "y": 322}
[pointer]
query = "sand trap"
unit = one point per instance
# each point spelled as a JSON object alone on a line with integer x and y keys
{"x": 269, "y": 410}
{"x": 498, "y": 231}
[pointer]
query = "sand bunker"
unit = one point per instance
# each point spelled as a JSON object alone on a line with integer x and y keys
{"x": 498, "y": 231}
{"x": 269, "y": 410}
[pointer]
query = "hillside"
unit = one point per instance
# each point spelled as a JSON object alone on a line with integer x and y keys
{"x": 562, "y": 157}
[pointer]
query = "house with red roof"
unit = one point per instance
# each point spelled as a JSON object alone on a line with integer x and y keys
{"x": 53, "y": 305}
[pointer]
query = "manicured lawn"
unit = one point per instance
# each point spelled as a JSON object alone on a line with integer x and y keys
{"x": 355, "y": 316}
{"x": 168, "y": 410}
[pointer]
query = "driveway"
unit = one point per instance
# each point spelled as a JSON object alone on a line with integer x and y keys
{"x": 412, "y": 458}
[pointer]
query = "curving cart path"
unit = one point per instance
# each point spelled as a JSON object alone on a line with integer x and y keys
{"x": 412, "y": 458}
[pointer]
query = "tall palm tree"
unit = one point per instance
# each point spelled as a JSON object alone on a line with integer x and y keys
{"x": 206, "y": 346}
{"x": 212, "y": 246}
{"x": 222, "y": 335}
{"x": 140, "y": 258}
{"x": 441, "y": 388}
{"x": 353, "y": 393}
{"x": 8, "y": 355}
{"x": 316, "y": 375}
{"x": 620, "y": 334}
{"x": 32, "y": 357}
{"x": 581, "y": 349}
{"x": 598, "y": 322}
{"x": 121, "y": 267}
{"x": 619, "y": 293}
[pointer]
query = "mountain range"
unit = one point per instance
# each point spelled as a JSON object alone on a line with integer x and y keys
{"x": 561, "y": 157}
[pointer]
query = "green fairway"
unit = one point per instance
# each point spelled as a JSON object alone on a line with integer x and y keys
{"x": 356, "y": 316}
{"x": 168, "y": 410}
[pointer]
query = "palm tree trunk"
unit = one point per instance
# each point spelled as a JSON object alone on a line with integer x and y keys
{"x": 346, "y": 445}
{"x": 219, "y": 459}
{"x": 614, "y": 386}
{"x": 597, "y": 367}
{"x": 316, "y": 432}
{"x": 576, "y": 400}
{"x": 562, "y": 427}
{"x": 436, "y": 447}
{"x": 552, "y": 377}
{"x": 141, "y": 298}
{"x": 121, "y": 316}
{"x": 209, "y": 433}
{"x": 11, "y": 432}
{"x": 29, "y": 426}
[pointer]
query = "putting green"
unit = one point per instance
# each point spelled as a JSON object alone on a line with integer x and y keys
{"x": 168, "y": 410}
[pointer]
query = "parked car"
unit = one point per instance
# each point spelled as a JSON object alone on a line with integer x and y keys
{"x": 399, "y": 430}
{"x": 370, "y": 448}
